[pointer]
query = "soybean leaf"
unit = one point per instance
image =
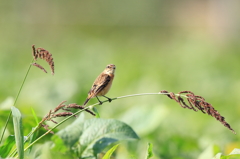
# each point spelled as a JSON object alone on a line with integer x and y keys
{"x": 71, "y": 133}
{"x": 94, "y": 135}
{"x": 110, "y": 152}
{"x": 18, "y": 131}
{"x": 59, "y": 144}
{"x": 7, "y": 146}
{"x": 47, "y": 153}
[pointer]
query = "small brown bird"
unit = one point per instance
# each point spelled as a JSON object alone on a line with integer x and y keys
{"x": 102, "y": 84}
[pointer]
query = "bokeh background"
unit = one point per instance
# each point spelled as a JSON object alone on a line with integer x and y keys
{"x": 156, "y": 45}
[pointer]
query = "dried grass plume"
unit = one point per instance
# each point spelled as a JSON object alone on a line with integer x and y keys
{"x": 197, "y": 103}
{"x": 45, "y": 55}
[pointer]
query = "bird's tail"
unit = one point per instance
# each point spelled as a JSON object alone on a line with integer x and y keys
{"x": 86, "y": 101}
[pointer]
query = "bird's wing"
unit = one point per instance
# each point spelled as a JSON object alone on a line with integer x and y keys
{"x": 100, "y": 83}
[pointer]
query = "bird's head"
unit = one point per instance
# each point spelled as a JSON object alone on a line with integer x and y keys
{"x": 110, "y": 69}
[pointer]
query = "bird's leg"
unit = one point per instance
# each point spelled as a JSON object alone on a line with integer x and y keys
{"x": 109, "y": 99}
{"x": 100, "y": 102}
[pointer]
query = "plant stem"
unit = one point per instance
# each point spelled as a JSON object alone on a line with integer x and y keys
{"x": 10, "y": 114}
{"x": 87, "y": 107}
{"x": 22, "y": 83}
{"x": 58, "y": 125}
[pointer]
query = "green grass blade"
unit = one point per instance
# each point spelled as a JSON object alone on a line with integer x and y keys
{"x": 35, "y": 116}
{"x": 5, "y": 127}
{"x": 110, "y": 152}
{"x": 7, "y": 146}
{"x": 149, "y": 151}
{"x": 18, "y": 130}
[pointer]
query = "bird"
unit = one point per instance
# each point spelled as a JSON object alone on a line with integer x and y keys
{"x": 102, "y": 84}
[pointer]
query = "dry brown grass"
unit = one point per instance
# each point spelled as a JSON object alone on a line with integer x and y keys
{"x": 197, "y": 103}
{"x": 45, "y": 55}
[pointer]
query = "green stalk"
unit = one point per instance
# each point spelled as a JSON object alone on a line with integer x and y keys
{"x": 58, "y": 125}
{"x": 127, "y": 96}
{"x": 10, "y": 114}
{"x": 38, "y": 126}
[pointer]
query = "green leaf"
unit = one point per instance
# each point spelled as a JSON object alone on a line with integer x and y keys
{"x": 18, "y": 131}
{"x": 236, "y": 156}
{"x": 71, "y": 133}
{"x": 7, "y": 146}
{"x": 110, "y": 152}
{"x": 32, "y": 138}
{"x": 95, "y": 134}
{"x": 35, "y": 116}
{"x": 150, "y": 151}
{"x": 96, "y": 112}
{"x": 59, "y": 144}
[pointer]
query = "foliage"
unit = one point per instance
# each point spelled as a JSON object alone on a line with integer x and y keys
{"x": 85, "y": 138}
{"x": 93, "y": 135}
{"x": 149, "y": 151}
{"x": 155, "y": 45}
{"x": 18, "y": 131}
{"x": 110, "y": 152}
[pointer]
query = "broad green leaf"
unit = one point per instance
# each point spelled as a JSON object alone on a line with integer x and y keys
{"x": 47, "y": 153}
{"x": 7, "y": 146}
{"x": 59, "y": 144}
{"x": 110, "y": 152}
{"x": 155, "y": 115}
{"x": 18, "y": 131}
{"x": 149, "y": 151}
{"x": 70, "y": 135}
{"x": 95, "y": 134}
{"x": 99, "y": 133}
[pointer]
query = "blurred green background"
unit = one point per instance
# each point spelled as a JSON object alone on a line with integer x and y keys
{"x": 156, "y": 45}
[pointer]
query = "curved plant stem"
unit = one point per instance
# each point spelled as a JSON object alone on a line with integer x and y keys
{"x": 57, "y": 126}
{"x": 22, "y": 83}
{"x": 87, "y": 107}
{"x": 127, "y": 96}
{"x": 10, "y": 114}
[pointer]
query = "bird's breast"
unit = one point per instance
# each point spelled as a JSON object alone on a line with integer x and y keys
{"x": 106, "y": 88}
